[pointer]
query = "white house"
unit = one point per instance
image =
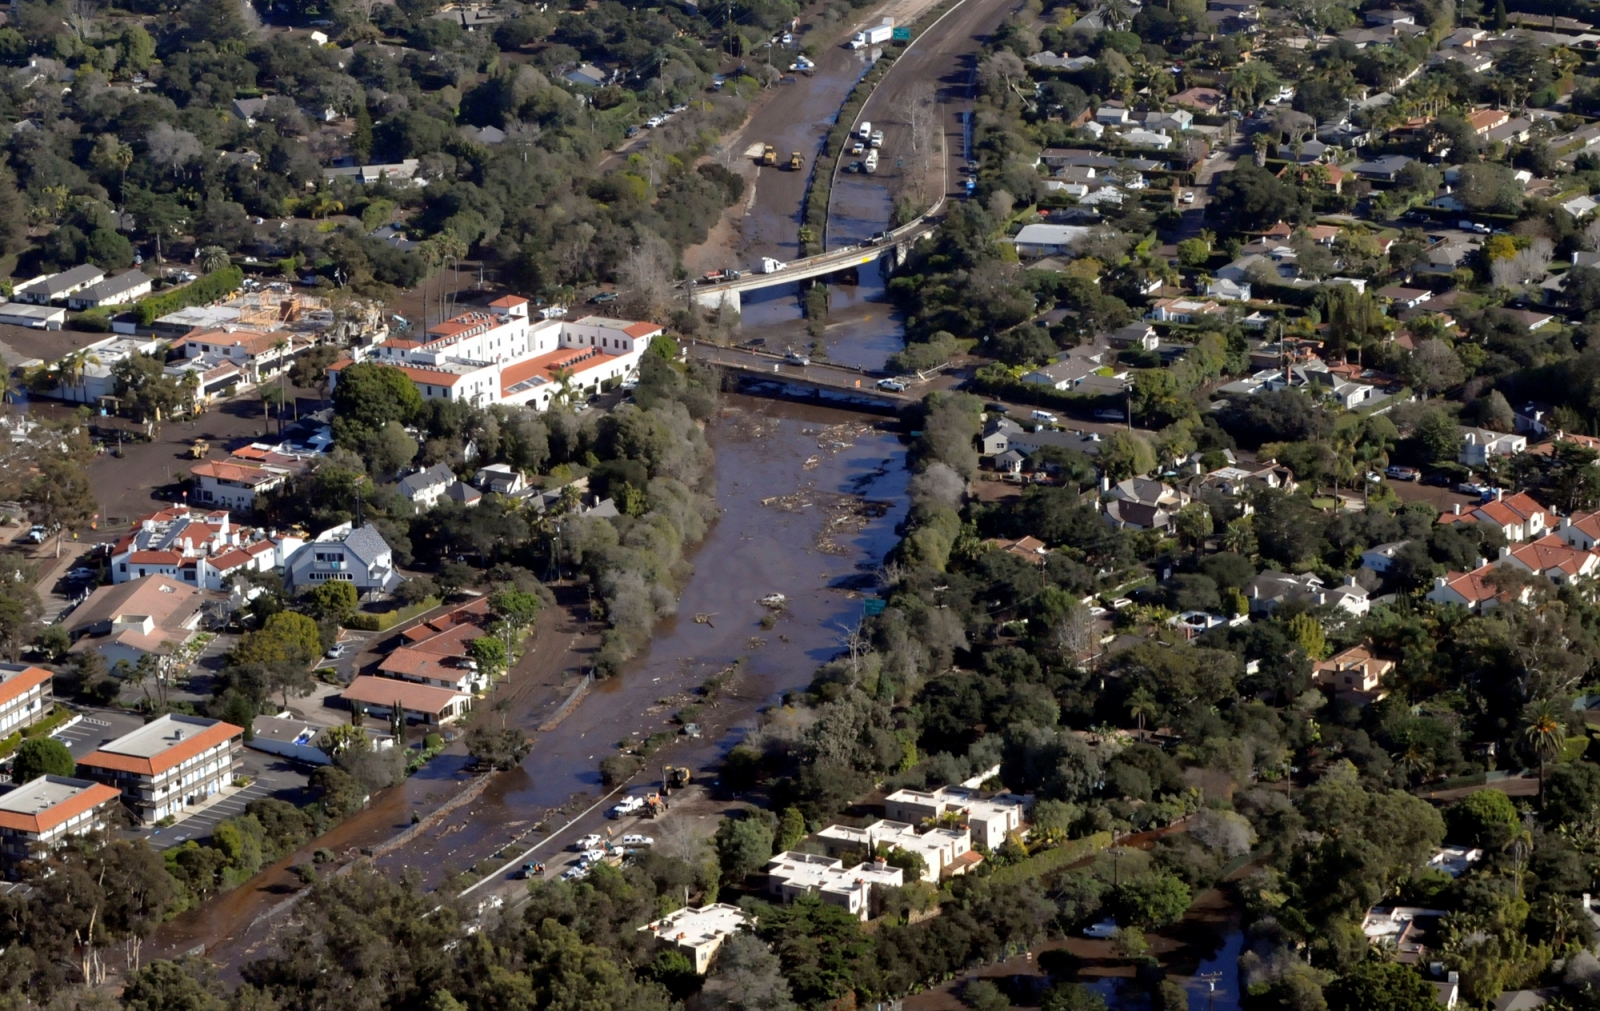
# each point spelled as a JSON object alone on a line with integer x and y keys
{"x": 1479, "y": 444}
{"x": 426, "y": 487}
{"x": 1048, "y": 240}
{"x": 357, "y": 555}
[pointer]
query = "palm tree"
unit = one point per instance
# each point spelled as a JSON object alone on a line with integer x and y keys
{"x": 1544, "y": 732}
{"x": 213, "y": 258}
{"x": 1141, "y": 704}
{"x": 564, "y": 377}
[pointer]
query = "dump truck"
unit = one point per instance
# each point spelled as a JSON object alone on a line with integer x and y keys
{"x": 797, "y": 161}
{"x": 769, "y": 155}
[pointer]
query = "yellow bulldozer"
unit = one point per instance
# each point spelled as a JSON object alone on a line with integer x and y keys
{"x": 199, "y": 449}
{"x": 769, "y": 155}
{"x": 797, "y": 161}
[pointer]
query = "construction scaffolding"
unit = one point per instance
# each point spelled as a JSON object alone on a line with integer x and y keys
{"x": 266, "y": 310}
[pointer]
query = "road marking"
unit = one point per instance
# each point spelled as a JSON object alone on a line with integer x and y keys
{"x": 542, "y": 842}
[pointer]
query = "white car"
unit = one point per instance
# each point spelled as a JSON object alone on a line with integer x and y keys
{"x": 655, "y": 121}
{"x": 1044, "y": 416}
{"x": 593, "y": 856}
{"x": 892, "y": 385}
{"x": 637, "y": 840}
{"x": 1103, "y": 929}
{"x": 588, "y": 842}
{"x": 574, "y": 874}
{"x": 678, "y": 108}
{"x": 336, "y": 651}
{"x": 1187, "y": 198}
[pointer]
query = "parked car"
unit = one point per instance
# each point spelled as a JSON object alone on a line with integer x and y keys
{"x": 1402, "y": 473}
{"x": 691, "y": 730}
{"x": 655, "y": 121}
{"x": 37, "y": 534}
{"x": 892, "y": 385}
{"x": 336, "y": 651}
{"x": 593, "y": 856}
{"x": 81, "y": 572}
{"x": 588, "y": 842}
{"x": 575, "y": 873}
{"x": 1471, "y": 488}
{"x": 858, "y": 149}
{"x": 1109, "y": 414}
{"x": 637, "y": 840}
{"x": 531, "y": 870}
{"x": 1044, "y": 416}
{"x": 996, "y": 408}
{"x": 1187, "y": 198}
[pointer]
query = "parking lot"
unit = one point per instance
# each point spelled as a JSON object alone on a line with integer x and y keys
{"x": 270, "y": 775}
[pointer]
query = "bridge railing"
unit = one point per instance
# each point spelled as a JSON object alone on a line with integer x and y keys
{"x": 921, "y": 225}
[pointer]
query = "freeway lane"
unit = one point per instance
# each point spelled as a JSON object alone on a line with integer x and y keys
{"x": 941, "y": 64}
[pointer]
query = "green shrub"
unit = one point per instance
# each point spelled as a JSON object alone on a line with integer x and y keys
{"x": 213, "y": 286}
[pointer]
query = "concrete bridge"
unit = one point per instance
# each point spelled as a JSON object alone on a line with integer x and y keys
{"x": 819, "y": 379}
{"x": 894, "y": 244}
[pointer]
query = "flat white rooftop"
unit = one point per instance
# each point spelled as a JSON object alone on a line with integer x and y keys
{"x": 154, "y": 738}
{"x": 42, "y": 794}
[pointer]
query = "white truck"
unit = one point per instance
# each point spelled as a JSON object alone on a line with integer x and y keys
{"x": 864, "y": 131}
{"x": 871, "y": 164}
{"x": 769, "y": 266}
{"x": 873, "y": 36}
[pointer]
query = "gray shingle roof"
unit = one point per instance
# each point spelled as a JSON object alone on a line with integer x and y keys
{"x": 437, "y": 474}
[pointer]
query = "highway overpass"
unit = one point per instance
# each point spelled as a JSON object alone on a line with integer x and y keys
{"x": 894, "y": 243}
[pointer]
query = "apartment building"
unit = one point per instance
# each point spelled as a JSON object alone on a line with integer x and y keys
{"x": 25, "y": 696}
{"x": 168, "y": 764}
{"x": 38, "y": 815}
{"x": 499, "y": 355}
{"x": 356, "y": 555}
{"x": 698, "y": 933}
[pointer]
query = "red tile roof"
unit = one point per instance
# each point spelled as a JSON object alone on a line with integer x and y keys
{"x": 23, "y": 681}
{"x": 417, "y": 698}
{"x": 241, "y": 473}
{"x": 639, "y": 331}
{"x": 508, "y": 302}
{"x": 155, "y": 557}
{"x": 1471, "y": 585}
{"x": 87, "y": 799}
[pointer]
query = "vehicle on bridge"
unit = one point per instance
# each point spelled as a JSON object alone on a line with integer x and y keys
{"x": 768, "y": 266}
{"x": 796, "y": 358}
{"x": 892, "y": 385}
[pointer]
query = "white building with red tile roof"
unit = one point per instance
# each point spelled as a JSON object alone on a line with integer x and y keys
{"x": 1552, "y": 557}
{"x": 1470, "y": 590}
{"x": 234, "y": 484}
{"x": 198, "y": 547}
{"x": 42, "y": 813}
{"x": 499, "y": 355}
{"x": 1518, "y": 516}
{"x": 379, "y": 696}
{"x": 168, "y": 764}
{"x": 26, "y": 696}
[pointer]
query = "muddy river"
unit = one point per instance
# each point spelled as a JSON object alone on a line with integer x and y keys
{"x": 810, "y": 497}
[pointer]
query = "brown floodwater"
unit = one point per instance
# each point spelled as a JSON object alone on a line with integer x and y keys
{"x": 833, "y": 483}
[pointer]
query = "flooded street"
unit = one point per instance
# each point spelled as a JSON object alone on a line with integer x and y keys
{"x": 834, "y": 486}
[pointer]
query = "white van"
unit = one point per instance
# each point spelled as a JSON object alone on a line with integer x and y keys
{"x": 1044, "y": 416}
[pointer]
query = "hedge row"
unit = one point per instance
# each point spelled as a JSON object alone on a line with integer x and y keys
{"x": 1041, "y": 395}
{"x": 1040, "y": 864}
{"x": 210, "y": 288}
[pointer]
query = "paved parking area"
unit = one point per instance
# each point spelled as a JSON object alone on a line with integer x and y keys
{"x": 96, "y": 728}
{"x": 199, "y": 825}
